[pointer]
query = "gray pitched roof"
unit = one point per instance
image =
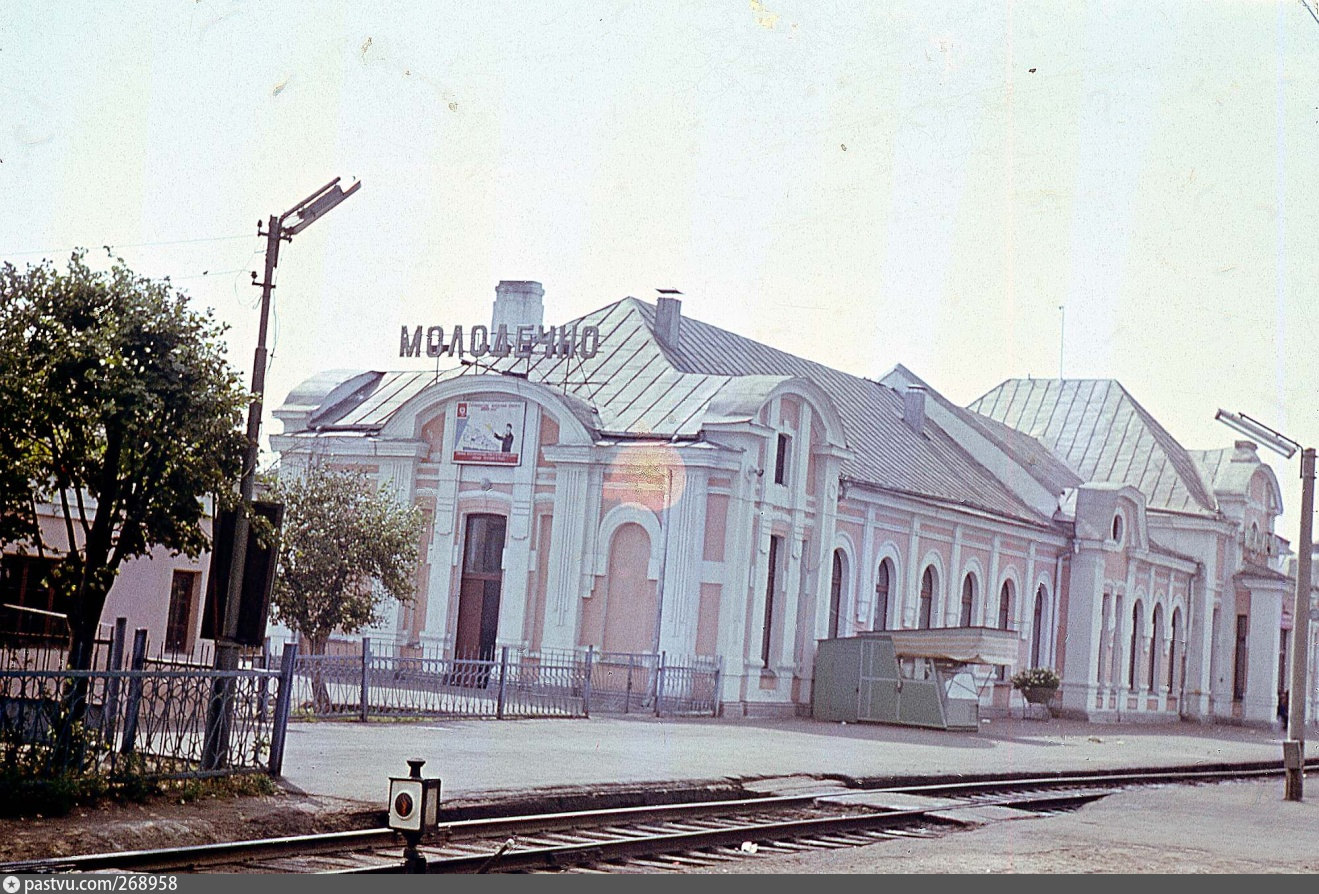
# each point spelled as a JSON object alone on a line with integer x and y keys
{"x": 641, "y": 388}
{"x": 1103, "y": 434}
{"x": 887, "y": 452}
{"x": 1029, "y": 454}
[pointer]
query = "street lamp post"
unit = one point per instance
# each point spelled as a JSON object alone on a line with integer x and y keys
{"x": 1293, "y": 749}
{"x": 216, "y": 748}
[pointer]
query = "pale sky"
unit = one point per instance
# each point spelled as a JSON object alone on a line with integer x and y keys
{"x": 863, "y": 184}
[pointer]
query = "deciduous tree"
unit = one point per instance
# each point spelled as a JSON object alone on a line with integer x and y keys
{"x": 344, "y": 550}
{"x": 119, "y": 411}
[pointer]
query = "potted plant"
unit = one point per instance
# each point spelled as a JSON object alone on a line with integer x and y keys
{"x": 1038, "y": 685}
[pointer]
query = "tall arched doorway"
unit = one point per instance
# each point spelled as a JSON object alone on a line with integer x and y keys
{"x": 631, "y": 608}
{"x": 1037, "y": 628}
{"x": 837, "y": 584}
{"x": 480, "y": 587}
{"x": 925, "y": 608}
{"x": 883, "y": 586}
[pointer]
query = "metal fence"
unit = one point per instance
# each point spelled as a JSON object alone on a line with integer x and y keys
{"x": 513, "y": 683}
{"x": 143, "y": 721}
{"x": 632, "y": 682}
{"x": 20, "y": 651}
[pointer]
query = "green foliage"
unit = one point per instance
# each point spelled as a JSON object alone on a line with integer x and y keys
{"x": 117, "y": 408}
{"x": 241, "y": 785}
{"x": 1036, "y": 678}
{"x": 51, "y": 772}
{"x": 345, "y": 547}
{"x": 57, "y": 794}
{"x": 51, "y": 796}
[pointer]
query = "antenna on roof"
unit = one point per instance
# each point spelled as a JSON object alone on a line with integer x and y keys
{"x": 1062, "y": 328}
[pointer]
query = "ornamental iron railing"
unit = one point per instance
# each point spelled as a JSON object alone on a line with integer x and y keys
{"x": 511, "y": 683}
{"x": 142, "y": 722}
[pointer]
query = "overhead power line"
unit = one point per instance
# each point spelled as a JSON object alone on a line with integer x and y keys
{"x": 47, "y": 251}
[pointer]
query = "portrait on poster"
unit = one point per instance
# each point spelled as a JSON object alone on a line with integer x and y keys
{"x": 489, "y": 432}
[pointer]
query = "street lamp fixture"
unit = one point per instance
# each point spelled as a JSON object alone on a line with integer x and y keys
{"x": 1253, "y": 428}
{"x": 1293, "y": 748}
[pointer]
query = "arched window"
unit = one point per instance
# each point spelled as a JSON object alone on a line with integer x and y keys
{"x": 1005, "y": 606}
{"x": 968, "y": 600}
{"x": 927, "y": 598}
{"x": 1156, "y": 647}
{"x": 1037, "y": 628}
{"x": 1105, "y": 639}
{"x": 1137, "y": 623}
{"x": 1004, "y": 617}
{"x": 836, "y": 593}
{"x": 882, "y": 585}
{"x": 1174, "y": 653}
{"x": 1117, "y": 527}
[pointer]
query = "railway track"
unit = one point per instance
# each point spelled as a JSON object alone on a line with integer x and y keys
{"x": 684, "y": 837}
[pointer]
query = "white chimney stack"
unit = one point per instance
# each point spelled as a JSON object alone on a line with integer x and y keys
{"x": 517, "y": 303}
{"x": 668, "y": 317}
{"x": 913, "y": 407}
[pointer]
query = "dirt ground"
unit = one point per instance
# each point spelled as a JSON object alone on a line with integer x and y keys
{"x": 164, "y": 822}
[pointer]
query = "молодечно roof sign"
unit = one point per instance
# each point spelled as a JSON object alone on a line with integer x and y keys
{"x": 479, "y": 341}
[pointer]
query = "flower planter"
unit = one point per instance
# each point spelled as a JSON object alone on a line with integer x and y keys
{"x": 1039, "y": 695}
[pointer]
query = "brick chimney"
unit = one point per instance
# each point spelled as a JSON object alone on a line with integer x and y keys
{"x": 517, "y": 303}
{"x": 668, "y": 317}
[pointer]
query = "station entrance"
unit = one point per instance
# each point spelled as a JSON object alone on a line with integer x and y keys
{"x": 480, "y": 588}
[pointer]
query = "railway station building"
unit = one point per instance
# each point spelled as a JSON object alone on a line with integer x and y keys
{"x": 639, "y": 481}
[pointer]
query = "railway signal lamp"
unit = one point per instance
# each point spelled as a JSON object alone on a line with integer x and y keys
{"x": 414, "y": 806}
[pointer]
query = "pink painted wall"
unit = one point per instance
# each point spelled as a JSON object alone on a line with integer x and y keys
{"x": 624, "y": 619}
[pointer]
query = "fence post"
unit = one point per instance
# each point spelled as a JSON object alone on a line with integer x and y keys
{"x": 627, "y": 694}
{"x": 659, "y": 683}
{"x": 586, "y": 690}
{"x": 366, "y": 683}
{"x": 718, "y": 678}
{"x": 134, "y": 690}
{"x": 503, "y": 675}
{"x": 115, "y": 663}
{"x": 283, "y": 703}
{"x": 263, "y": 693}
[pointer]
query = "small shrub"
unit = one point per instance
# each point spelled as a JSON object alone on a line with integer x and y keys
{"x": 23, "y": 795}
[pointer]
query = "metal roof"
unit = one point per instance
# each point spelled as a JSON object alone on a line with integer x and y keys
{"x": 1099, "y": 430}
{"x": 888, "y": 453}
{"x": 641, "y": 388}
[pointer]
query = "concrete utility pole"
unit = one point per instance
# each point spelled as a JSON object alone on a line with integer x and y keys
{"x": 1293, "y": 748}
{"x": 226, "y": 644}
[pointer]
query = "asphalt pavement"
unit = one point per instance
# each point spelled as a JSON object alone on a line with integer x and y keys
{"x": 523, "y": 759}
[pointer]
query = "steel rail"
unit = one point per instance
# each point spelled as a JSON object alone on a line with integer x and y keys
{"x": 598, "y": 851}
{"x": 194, "y": 857}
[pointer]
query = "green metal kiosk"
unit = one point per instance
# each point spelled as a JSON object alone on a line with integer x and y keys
{"x": 930, "y": 678}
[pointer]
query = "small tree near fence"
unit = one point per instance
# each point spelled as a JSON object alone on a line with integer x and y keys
{"x": 345, "y": 548}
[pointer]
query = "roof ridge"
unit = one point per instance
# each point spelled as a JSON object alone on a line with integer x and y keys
{"x": 1190, "y": 474}
{"x": 1021, "y": 508}
{"x": 993, "y": 433}
{"x": 1184, "y": 468}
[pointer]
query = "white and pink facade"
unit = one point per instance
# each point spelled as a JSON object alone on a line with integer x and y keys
{"x": 686, "y": 490}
